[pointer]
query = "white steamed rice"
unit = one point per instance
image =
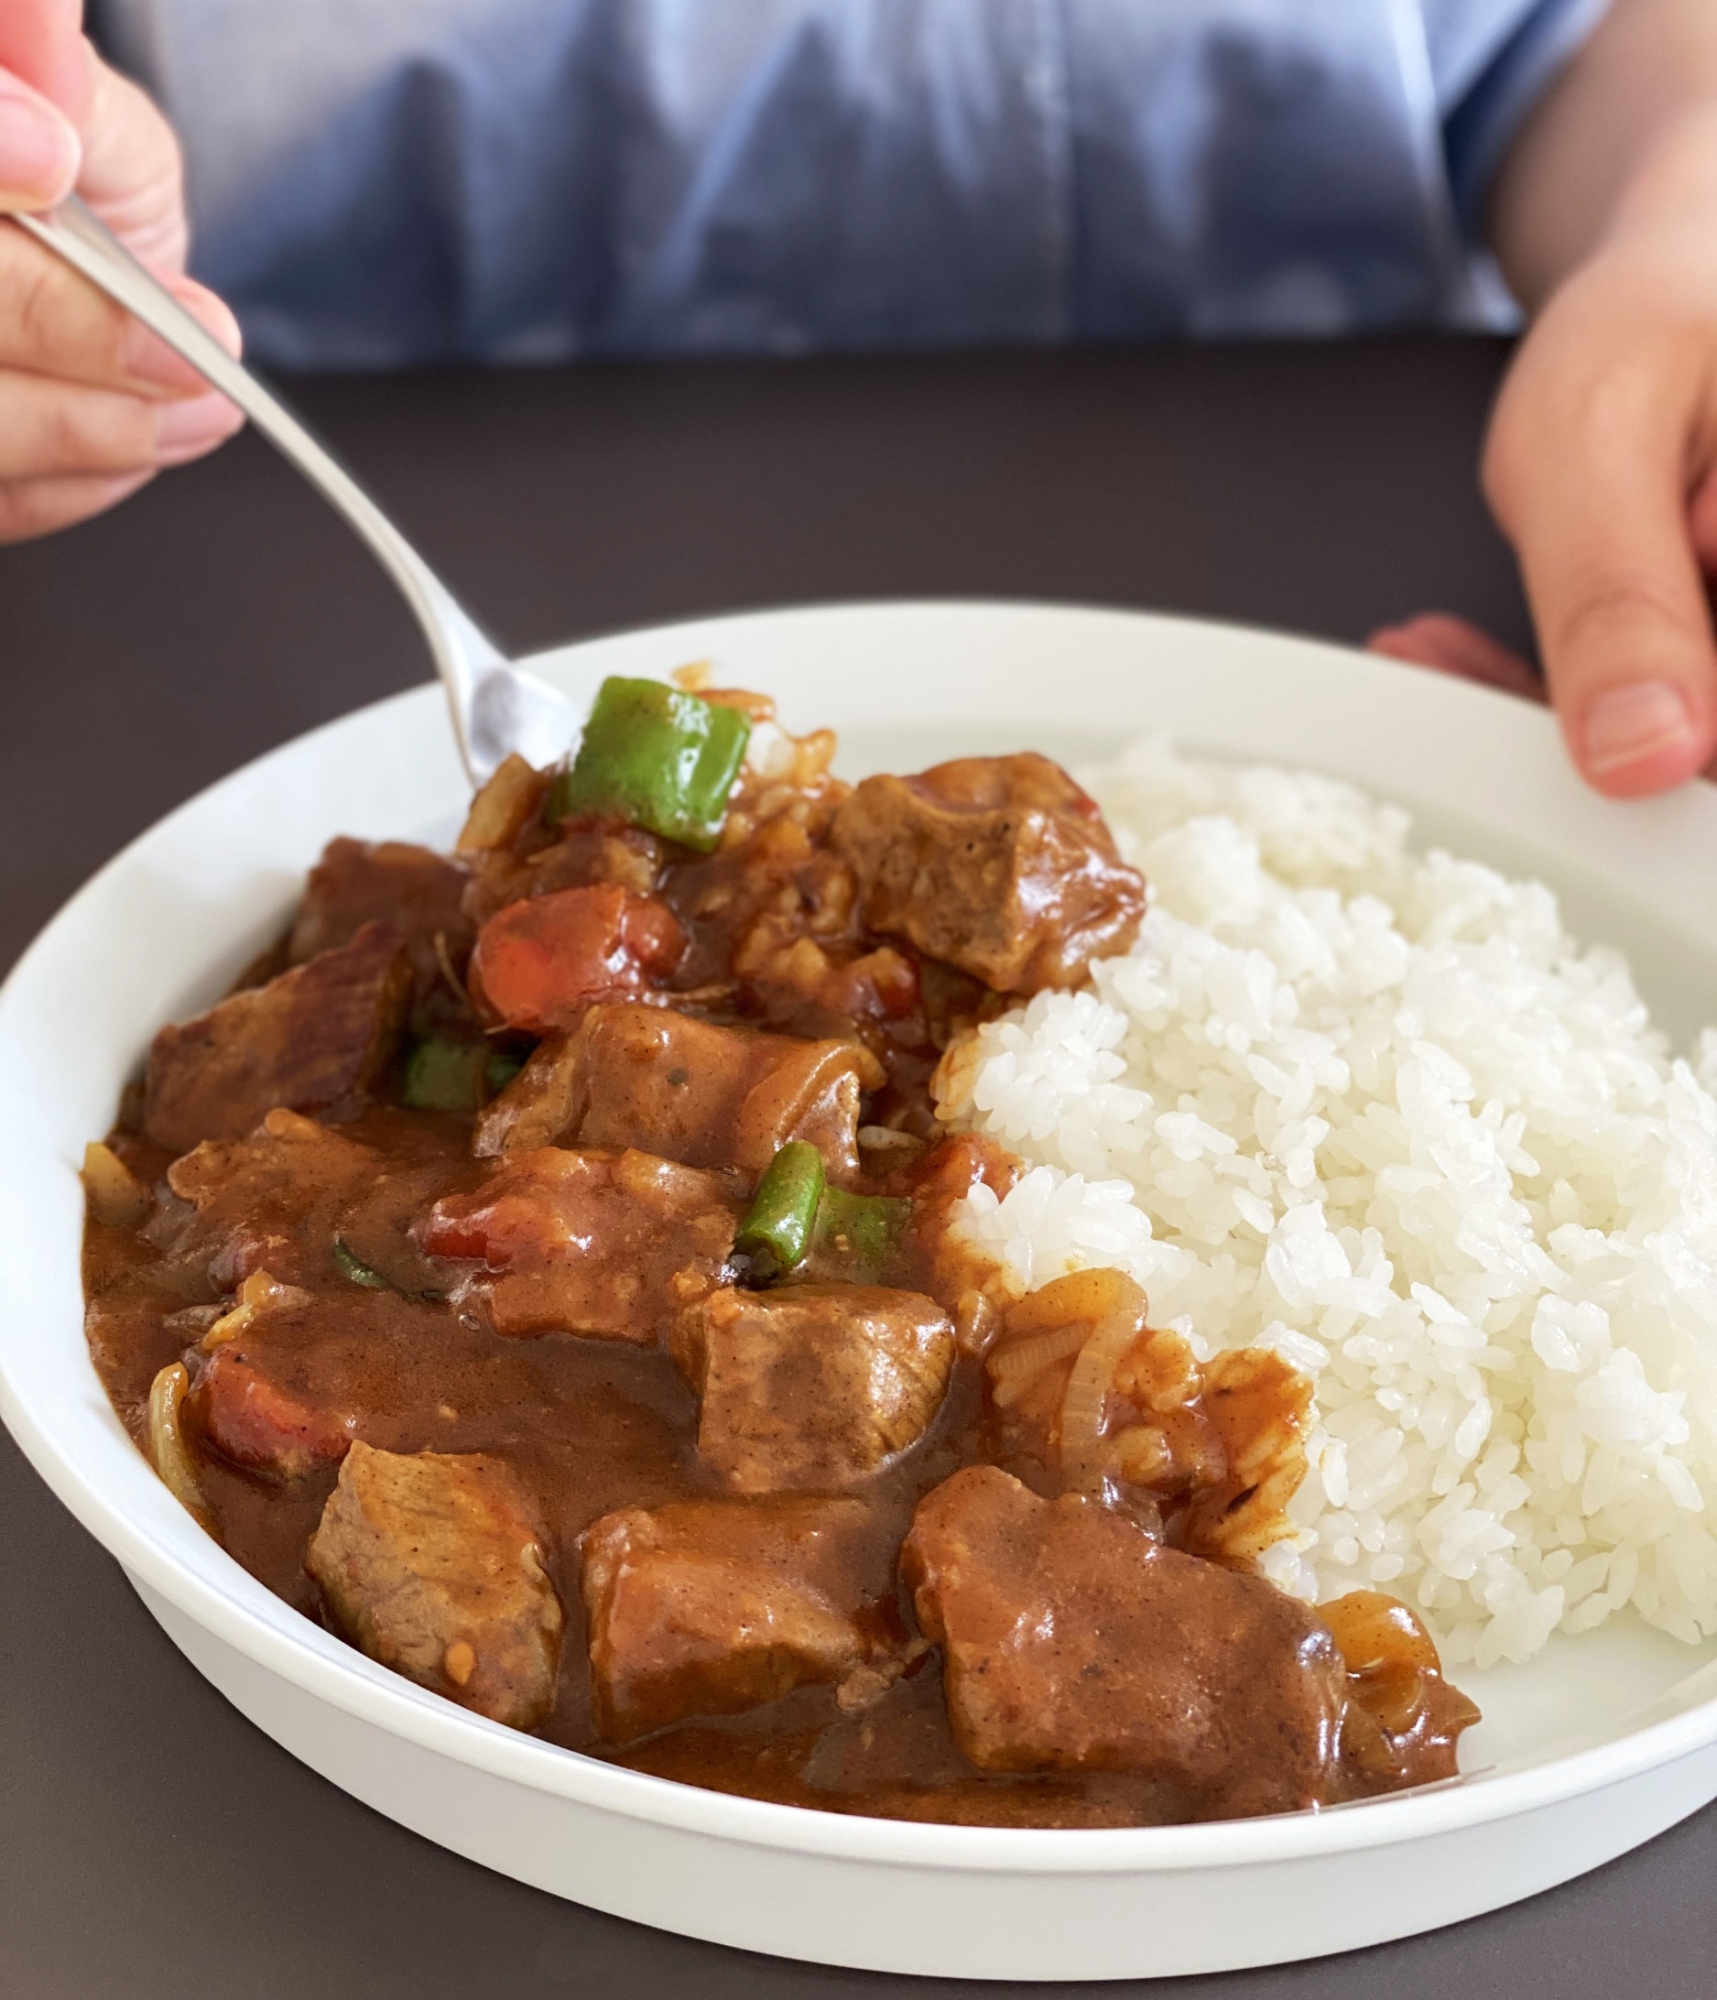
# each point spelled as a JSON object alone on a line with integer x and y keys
{"x": 1378, "y": 1111}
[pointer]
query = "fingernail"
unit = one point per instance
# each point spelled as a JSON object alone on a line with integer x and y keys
{"x": 38, "y": 152}
{"x": 1632, "y": 723}
{"x": 183, "y": 429}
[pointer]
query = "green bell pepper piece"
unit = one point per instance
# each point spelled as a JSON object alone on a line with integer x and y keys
{"x": 660, "y": 759}
{"x": 357, "y": 1270}
{"x": 856, "y": 1234}
{"x": 796, "y": 1219}
{"x": 776, "y": 1231}
{"x": 442, "y": 1074}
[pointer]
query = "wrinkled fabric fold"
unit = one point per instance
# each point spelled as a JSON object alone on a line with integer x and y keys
{"x": 384, "y": 181}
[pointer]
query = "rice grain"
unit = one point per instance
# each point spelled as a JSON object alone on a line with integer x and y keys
{"x": 1378, "y": 1111}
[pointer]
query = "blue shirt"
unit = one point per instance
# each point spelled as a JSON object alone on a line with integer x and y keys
{"x": 382, "y": 181}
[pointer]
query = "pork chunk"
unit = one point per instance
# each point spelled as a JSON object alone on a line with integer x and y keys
{"x": 613, "y": 1244}
{"x": 418, "y": 891}
{"x": 812, "y": 1386}
{"x": 1073, "y": 1642}
{"x": 634, "y": 1075}
{"x": 431, "y": 1564}
{"x": 266, "y": 1202}
{"x": 318, "y": 1034}
{"x": 1001, "y": 866}
{"x": 710, "y": 1607}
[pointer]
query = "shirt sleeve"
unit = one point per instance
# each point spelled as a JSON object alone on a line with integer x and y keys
{"x": 1491, "y": 64}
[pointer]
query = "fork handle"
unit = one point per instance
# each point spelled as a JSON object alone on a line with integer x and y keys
{"x": 460, "y": 649}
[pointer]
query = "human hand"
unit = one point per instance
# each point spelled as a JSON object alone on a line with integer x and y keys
{"x": 1453, "y": 645}
{"x": 1603, "y": 446}
{"x": 1600, "y": 467}
{"x": 92, "y": 405}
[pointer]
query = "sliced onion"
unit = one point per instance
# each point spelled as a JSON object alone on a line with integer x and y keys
{"x": 500, "y": 810}
{"x": 1031, "y": 1357}
{"x": 1077, "y": 1297}
{"x": 974, "y": 1321}
{"x": 116, "y": 1196}
{"x": 1084, "y": 1403}
{"x": 168, "y": 1451}
{"x": 257, "y": 1291}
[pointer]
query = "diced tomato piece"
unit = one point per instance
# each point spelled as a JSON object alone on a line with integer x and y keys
{"x": 494, "y": 1231}
{"x": 256, "y": 1421}
{"x": 539, "y": 963}
{"x": 882, "y": 985}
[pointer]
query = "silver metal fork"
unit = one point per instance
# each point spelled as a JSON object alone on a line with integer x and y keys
{"x": 497, "y": 707}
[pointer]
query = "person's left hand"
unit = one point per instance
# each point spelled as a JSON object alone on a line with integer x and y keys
{"x": 1454, "y": 645}
{"x": 1449, "y": 644}
{"x": 1601, "y": 466}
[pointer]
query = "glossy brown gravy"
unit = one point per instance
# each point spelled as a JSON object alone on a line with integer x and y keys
{"x": 591, "y": 1426}
{"x": 588, "y": 1426}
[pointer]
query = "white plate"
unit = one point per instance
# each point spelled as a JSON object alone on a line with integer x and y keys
{"x": 1599, "y": 1744}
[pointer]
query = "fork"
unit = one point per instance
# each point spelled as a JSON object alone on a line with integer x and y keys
{"x": 497, "y": 707}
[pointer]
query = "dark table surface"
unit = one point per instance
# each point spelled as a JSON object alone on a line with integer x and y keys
{"x": 153, "y": 1845}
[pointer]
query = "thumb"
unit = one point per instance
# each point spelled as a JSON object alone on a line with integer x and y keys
{"x": 1595, "y": 501}
{"x": 40, "y": 153}
{"x": 42, "y": 42}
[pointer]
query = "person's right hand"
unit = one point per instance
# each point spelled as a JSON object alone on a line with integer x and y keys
{"x": 91, "y": 404}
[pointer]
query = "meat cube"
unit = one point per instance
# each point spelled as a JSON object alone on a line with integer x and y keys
{"x": 318, "y": 1034}
{"x": 541, "y": 1106}
{"x": 609, "y": 1244}
{"x": 419, "y": 892}
{"x": 254, "y": 1419}
{"x": 431, "y": 1564}
{"x": 1001, "y": 866}
{"x": 634, "y": 1075}
{"x": 814, "y": 1385}
{"x": 1074, "y": 1642}
{"x": 266, "y": 1202}
{"x": 710, "y": 1607}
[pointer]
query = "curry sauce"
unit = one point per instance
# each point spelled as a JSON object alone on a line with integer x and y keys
{"x": 431, "y": 1268}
